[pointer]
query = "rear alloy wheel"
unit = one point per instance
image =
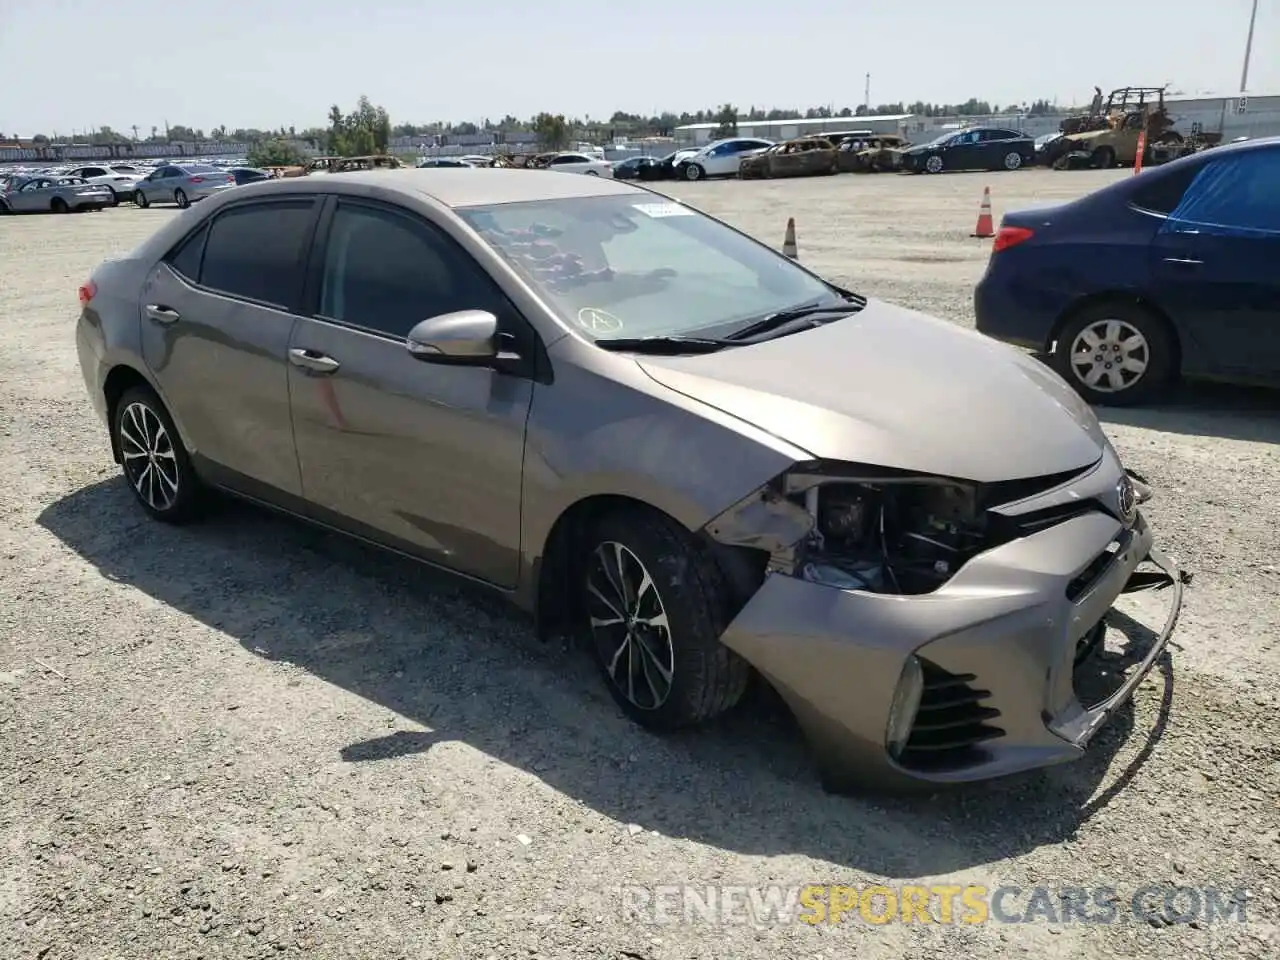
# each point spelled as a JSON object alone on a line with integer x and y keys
{"x": 1012, "y": 160}
{"x": 1115, "y": 354}
{"x": 59, "y": 206}
{"x": 655, "y": 607}
{"x": 154, "y": 461}
{"x": 180, "y": 198}
{"x": 694, "y": 171}
{"x": 933, "y": 165}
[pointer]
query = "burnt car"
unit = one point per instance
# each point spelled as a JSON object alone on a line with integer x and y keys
{"x": 1109, "y": 135}
{"x": 654, "y": 433}
{"x": 803, "y": 157}
{"x": 974, "y": 148}
{"x": 876, "y": 153}
{"x": 43, "y": 194}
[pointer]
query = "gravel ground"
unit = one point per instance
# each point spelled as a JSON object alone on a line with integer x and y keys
{"x": 253, "y": 739}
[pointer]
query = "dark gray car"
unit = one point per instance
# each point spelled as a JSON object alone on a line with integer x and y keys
{"x": 653, "y": 431}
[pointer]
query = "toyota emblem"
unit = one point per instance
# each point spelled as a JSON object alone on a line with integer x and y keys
{"x": 1127, "y": 500}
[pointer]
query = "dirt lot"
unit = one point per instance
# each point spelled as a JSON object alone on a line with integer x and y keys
{"x": 252, "y": 739}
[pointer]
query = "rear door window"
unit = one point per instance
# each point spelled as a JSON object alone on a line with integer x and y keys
{"x": 1235, "y": 195}
{"x": 258, "y": 251}
{"x": 186, "y": 256}
{"x": 1165, "y": 190}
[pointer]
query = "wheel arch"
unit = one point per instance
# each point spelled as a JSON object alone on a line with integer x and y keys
{"x": 1128, "y": 299}
{"x": 120, "y": 379}
{"x": 742, "y": 567}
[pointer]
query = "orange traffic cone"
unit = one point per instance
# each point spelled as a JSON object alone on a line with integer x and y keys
{"x": 789, "y": 241}
{"x": 986, "y": 228}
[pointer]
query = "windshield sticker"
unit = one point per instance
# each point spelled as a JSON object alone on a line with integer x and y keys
{"x": 598, "y": 321}
{"x": 657, "y": 210}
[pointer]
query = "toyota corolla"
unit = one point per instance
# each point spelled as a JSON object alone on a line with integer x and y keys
{"x": 650, "y": 430}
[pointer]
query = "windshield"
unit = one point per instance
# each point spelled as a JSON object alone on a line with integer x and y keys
{"x": 638, "y": 266}
{"x": 939, "y": 141}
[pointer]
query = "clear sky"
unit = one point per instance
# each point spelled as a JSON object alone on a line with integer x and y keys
{"x": 77, "y": 64}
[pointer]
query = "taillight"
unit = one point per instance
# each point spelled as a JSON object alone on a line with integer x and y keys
{"x": 88, "y": 290}
{"x": 197, "y": 179}
{"x": 1007, "y": 237}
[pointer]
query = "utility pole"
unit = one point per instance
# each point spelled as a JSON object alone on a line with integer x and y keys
{"x": 1248, "y": 49}
{"x": 866, "y": 94}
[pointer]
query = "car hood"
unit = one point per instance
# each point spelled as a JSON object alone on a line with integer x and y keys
{"x": 895, "y": 388}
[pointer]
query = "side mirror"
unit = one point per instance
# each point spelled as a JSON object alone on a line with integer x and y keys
{"x": 464, "y": 338}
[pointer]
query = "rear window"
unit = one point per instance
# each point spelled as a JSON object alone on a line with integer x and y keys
{"x": 199, "y": 168}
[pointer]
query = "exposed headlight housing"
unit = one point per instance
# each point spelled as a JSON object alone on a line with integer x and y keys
{"x": 903, "y": 709}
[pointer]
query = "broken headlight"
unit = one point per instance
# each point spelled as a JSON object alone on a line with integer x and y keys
{"x": 890, "y": 534}
{"x": 859, "y": 528}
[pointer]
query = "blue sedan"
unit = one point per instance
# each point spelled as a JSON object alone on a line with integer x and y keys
{"x": 1174, "y": 272}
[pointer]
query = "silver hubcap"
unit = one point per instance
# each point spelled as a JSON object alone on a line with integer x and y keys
{"x": 692, "y": 173}
{"x": 1110, "y": 356}
{"x": 933, "y": 164}
{"x": 629, "y": 625}
{"x": 1013, "y": 161}
{"x": 149, "y": 460}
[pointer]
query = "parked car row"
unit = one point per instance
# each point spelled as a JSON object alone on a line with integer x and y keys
{"x": 96, "y": 187}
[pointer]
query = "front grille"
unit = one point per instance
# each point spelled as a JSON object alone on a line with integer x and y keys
{"x": 1090, "y": 575}
{"x": 951, "y": 721}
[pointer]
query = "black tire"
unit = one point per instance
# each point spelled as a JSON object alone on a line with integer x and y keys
{"x": 1160, "y": 354}
{"x": 181, "y": 199}
{"x": 58, "y": 205}
{"x": 706, "y": 677}
{"x": 128, "y": 421}
{"x": 115, "y": 199}
{"x": 1104, "y": 158}
{"x": 140, "y": 200}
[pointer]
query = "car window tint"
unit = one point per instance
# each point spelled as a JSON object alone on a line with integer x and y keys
{"x": 256, "y": 251}
{"x": 185, "y": 257}
{"x": 1165, "y": 189}
{"x": 1234, "y": 195}
{"x": 387, "y": 271}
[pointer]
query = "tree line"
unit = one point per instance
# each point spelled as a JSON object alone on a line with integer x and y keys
{"x": 369, "y": 129}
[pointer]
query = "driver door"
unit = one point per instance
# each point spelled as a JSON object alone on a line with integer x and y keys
{"x": 424, "y": 458}
{"x": 32, "y": 197}
{"x": 964, "y": 152}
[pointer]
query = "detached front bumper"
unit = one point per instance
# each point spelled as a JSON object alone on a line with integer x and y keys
{"x": 999, "y": 645}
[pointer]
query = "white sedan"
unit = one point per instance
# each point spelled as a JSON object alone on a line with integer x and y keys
{"x": 581, "y": 163}
{"x": 123, "y": 185}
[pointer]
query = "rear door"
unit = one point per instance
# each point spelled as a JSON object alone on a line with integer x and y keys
{"x": 217, "y": 314}
{"x": 1217, "y": 258}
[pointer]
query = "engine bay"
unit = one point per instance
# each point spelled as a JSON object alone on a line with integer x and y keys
{"x": 902, "y": 537}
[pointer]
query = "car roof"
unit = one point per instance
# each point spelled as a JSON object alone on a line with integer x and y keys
{"x": 454, "y": 187}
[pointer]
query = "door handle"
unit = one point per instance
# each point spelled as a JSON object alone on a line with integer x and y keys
{"x": 1183, "y": 262}
{"x": 313, "y": 361}
{"x": 161, "y": 314}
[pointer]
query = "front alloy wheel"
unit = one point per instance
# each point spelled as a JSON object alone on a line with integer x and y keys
{"x": 654, "y": 605}
{"x": 933, "y": 164}
{"x": 629, "y": 625}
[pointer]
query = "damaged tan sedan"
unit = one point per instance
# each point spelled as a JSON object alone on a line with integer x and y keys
{"x": 655, "y": 432}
